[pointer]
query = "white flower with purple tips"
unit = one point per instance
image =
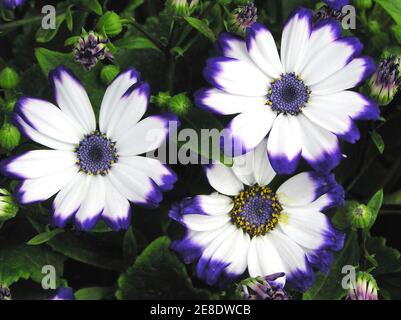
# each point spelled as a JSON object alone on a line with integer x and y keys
{"x": 300, "y": 100}
{"x": 249, "y": 225}
{"x": 95, "y": 172}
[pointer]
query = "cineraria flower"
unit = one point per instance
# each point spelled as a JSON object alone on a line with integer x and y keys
{"x": 263, "y": 288}
{"x": 63, "y": 294}
{"x": 301, "y": 101}
{"x": 244, "y": 17}
{"x": 95, "y": 173}
{"x": 12, "y": 4}
{"x": 386, "y": 80}
{"x": 90, "y": 49}
{"x": 247, "y": 224}
{"x": 363, "y": 288}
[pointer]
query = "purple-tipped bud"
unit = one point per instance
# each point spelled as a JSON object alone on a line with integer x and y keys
{"x": 90, "y": 49}
{"x": 5, "y": 293}
{"x": 386, "y": 80}
{"x": 263, "y": 288}
{"x": 363, "y": 288}
{"x": 331, "y": 10}
{"x": 243, "y": 18}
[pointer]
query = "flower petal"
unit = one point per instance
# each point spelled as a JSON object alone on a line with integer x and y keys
{"x": 223, "y": 179}
{"x": 146, "y": 135}
{"x": 263, "y": 51}
{"x": 220, "y": 102}
{"x": 93, "y": 203}
{"x": 236, "y": 77}
{"x": 72, "y": 98}
{"x": 353, "y": 74}
{"x": 295, "y": 39}
{"x": 263, "y": 170}
{"x": 37, "y": 163}
{"x": 113, "y": 95}
{"x": 40, "y": 189}
{"x": 284, "y": 144}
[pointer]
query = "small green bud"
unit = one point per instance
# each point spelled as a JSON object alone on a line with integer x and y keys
{"x": 182, "y": 8}
{"x": 9, "y": 106}
{"x": 8, "y": 207}
{"x": 180, "y": 104}
{"x": 162, "y": 99}
{"x": 359, "y": 216}
{"x": 108, "y": 73}
{"x": 9, "y": 136}
{"x": 8, "y": 78}
{"x": 110, "y": 22}
{"x": 363, "y": 4}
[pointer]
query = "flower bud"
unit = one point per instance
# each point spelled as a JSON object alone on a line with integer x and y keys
{"x": 110, "y": 22}
{"x": 8, "y": 78}
{"x": 9, "y": 136}
{"x": 364, "y": 287}
{"x": 263, "y": 288}
{"x": 162, "y": 99}
{"x": 363, "y": 4}
{"x": 8, "y": 207}
{"x": 182, "y": 8}
{"x": 9, "y": 105}
{"x": 108, "y": 73}
{"x": 243, "y": 18}
{"x": 359, "y": 215}
{"x": 5, "y": 293}
{"x": 386, "y": 80}
{"x": 180, "y": 104}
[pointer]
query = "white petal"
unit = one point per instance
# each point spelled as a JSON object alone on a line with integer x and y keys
{"x": 128, "y": 110}
{"x": 233, "y": 47}
{"x": 224, "y": 103}
{"x": 243, "y": 168}
{"x": 117, "y": 211}
{"x": 49, "y": 120}
{"x": 39, "y": 163}
{"x": 263, "y": 258}
{"x": 239, "y": 254}
{"x": 69, "y": 199}
{"x": 236, "y": 77}
{"x": 263, "y": 170}
{"x": 247, "y": 130}
{"x": 295, "y": 40}
{"x": 72, "y": 98}
{"x": 146, "y": 135}
{"x": 202, "y": 222}
{"x": 263, "y": 50}
{"x": 348, "y": 77}
{"x": 214, "y": 204}
{"x": 284, "y": 144}
{"x": 93, "y": 204}
{"x": 40, "y": 189}
{"x": 113, "y": 95}
{"x": 223, "y": 179}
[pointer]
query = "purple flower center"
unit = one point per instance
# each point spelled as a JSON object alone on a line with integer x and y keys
{"x": 288, "y": 94}
{"x": 256, "y": 210}
{"x": 96, "y": 154}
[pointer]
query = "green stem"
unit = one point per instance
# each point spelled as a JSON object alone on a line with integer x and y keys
{"x": 155, "y": 41}
{"x": 171, "y": 74}
{"x": 19, "y": 23}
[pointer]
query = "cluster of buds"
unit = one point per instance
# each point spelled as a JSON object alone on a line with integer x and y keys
{"x": 386, "y": 80}
{"x": 182, "y": 8}
{"x": 364, "y": 287}
{"x": 263, "y": 288}
{"x": 8, "y": 208}
{"x": 331, "y": 10}
{"x": 90, "y": 49}
{"x": 5, "y": 293}
{"x": 243, "y": 18}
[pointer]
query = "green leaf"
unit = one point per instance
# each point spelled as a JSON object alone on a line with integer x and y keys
{"x": 387, "y": 258}
{"x": 202, "y": 27}
{"x": 26, "y": 262}
{"x": 94, "y": 6}
{"x": 135, "y": 42}
{"x": 374, "y": 204}
{"x": 378, "y": 141}
{"x": 69, "y": 20}
{"x": 44, "y": 237}
{"x": 129, "y": 247}
{"x": 46, "y": 35}
{"x": 81, "y": 247}
{"x": 328, "y": 287}
{"x": 71, "y": 41}
{"x": 49, "y": 60}
{"x": 157, "y": 274}
{"x": 94, "y": 293}
{"x": 393, "y": 8}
